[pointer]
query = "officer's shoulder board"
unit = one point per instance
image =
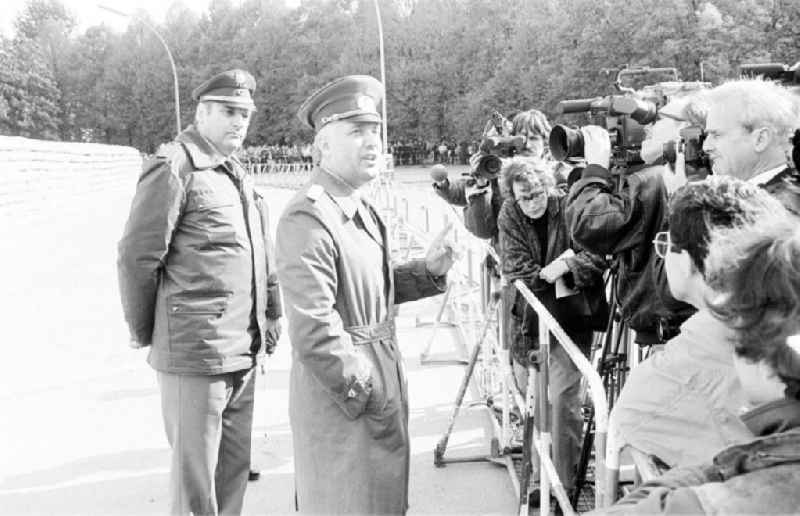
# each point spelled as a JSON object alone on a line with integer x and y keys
{"x": 167, "y": 151}
{"x": 314, "y": 192}
{"x": 169, "y": 156}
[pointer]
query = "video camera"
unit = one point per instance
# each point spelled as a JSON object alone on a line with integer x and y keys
{"x": 786, "y": 75}
{"x": 691, "y": 145}
{"x": 624, "y": 116}
{"x": 494, "y": 148}
{"x": 496, "y": 144}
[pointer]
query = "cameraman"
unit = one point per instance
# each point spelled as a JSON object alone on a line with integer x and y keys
{"x": 608, "y": 219}
{"x": 482, "y": 197}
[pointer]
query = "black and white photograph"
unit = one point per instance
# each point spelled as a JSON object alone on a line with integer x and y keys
{"x": 389, "y": 257}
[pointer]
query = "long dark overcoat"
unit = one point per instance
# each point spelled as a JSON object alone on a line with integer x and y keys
{"x": 351, "y": 444}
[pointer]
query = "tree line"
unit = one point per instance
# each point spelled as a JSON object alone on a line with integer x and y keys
{"x": 449, "y": 63}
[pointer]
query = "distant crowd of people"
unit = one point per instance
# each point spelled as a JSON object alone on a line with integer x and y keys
{"x": 405, "y": 152}
{"x": 279, "y": 153}
{"x": 446, "y": 151}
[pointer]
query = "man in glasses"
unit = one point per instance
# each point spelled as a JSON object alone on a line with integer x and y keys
{"x": 748, "y": 131}
{"x": 682, "y": 405}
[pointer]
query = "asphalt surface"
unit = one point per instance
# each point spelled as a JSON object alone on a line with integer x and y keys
{"x": 82, "y": 430}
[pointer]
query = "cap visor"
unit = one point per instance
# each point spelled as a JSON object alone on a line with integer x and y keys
{"x": 231, "y": 101}
{"x": 365, "y": 117}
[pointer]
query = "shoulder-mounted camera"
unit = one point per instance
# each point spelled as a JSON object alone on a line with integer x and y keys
{"x": 624, "y": 114}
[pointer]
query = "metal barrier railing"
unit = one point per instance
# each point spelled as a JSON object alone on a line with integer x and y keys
{"x": 548, "y": 325}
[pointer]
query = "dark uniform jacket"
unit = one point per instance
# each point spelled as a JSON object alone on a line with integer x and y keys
{"x": 523, "y": 259}
{"x": 623, "y": 223}
{"x": 758, "y": 477}
{"x": 785, "y": 186}
{"x": 195, "y": 271}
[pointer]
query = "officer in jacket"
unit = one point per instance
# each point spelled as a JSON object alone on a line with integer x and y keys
{"x": 198, "y": 287}
{"x": 348, "y": 401}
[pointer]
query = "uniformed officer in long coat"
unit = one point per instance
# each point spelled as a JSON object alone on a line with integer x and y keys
{"x": 348, "y": 401}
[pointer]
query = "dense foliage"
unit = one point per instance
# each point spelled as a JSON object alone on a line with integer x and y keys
{"x": 448, "y": 62}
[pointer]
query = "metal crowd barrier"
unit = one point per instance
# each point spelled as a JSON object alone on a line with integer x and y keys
{"x": 548, "y": 325}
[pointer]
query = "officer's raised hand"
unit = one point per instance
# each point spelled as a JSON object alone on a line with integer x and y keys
{"x": 596, "y": 145}
{"x": 441, "y": 253}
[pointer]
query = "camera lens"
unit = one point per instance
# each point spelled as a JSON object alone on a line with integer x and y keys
{"x": 565, "y": 143}
{"x": 490, "y": 166}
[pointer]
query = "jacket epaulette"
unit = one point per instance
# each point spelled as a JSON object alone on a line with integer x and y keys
{"x": 168, "y": 150}
{"x": 315, "y": 191}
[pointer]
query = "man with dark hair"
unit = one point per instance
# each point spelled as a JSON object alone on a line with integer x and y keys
{"x": 198, "y": 286}
{"x": 682, "y": 405}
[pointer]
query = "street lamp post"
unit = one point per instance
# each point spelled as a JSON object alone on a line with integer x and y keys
{"x": 383, "y": 74}
{"x": 169, "y": 55}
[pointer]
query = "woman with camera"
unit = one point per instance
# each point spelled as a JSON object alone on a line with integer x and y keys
{"x": 537, "y": 249}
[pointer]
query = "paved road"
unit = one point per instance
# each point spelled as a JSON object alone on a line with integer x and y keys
{"x": 82, "y": 430}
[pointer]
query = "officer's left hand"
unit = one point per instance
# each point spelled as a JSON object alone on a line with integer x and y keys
{"x": 272, "y": 335}
{"x": 441, "y": 253}
{"x": 553, "y": 271}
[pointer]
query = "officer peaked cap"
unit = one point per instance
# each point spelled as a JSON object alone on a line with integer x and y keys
{"x": 354, "y": 97}
{"x": 234, "y": 87}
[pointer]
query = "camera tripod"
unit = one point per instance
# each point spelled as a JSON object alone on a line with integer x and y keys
{"x": 612, "y": 365}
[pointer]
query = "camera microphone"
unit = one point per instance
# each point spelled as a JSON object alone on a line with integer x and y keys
{"x": 439, "y": 173}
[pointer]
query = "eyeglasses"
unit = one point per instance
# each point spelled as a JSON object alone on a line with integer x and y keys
{"x": 533, "y": 196}
{"x": 663, "y": 244}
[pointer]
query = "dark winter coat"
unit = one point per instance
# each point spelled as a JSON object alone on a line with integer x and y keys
{"x": 785, "y": 187}
{"x": 195, "y": 262}
{"x": 523, "y": 259}
{"x": 622, "y": 222}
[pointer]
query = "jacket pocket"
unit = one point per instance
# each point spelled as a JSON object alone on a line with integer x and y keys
{"x": 196, "y": 318}
{"x": 385, "y": 394}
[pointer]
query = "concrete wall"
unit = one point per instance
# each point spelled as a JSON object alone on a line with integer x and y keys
{"x": 39, "y": 178}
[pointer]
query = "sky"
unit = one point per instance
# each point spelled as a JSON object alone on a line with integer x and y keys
{"x": 88, "y": 13}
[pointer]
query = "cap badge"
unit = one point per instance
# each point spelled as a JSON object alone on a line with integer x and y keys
{"x": 366, "y": 103}
{"x": 238, "y": 78}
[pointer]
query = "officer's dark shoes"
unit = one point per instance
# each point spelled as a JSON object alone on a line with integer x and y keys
{"x": 254, "y": 474}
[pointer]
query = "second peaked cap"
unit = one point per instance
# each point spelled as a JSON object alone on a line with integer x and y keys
{"x": 357, "y": 98}
{"x": 233, "y": 87}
